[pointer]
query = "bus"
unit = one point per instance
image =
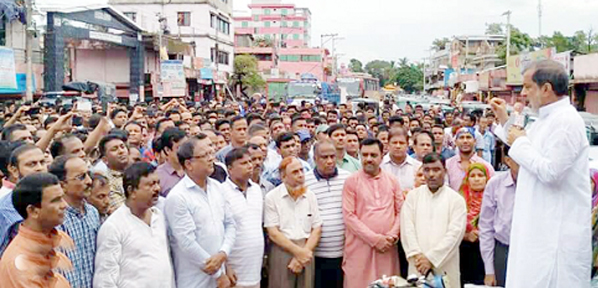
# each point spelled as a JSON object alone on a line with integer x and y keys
{"x": 360, "y": 85}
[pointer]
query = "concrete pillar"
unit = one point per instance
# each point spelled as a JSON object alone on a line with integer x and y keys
{"x": 53, "y": 54}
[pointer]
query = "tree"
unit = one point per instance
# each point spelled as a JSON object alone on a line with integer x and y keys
{"x": 380, "y": 69}
{"x": 440, "y": 43}
{"x": 246, "y": 73}
{"x": 494, "y": 29}
{"x": 355, "y": 66}
{"x": 409, "y": 76}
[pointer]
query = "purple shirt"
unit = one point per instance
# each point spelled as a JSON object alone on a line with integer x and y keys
{"x": 496, "y": 215}
{"x": 456, "y": 175}
{"x": 168, "y": 178}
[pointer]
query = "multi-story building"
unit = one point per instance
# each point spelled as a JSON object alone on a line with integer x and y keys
{"x": 283, "y": 24}
{"x": 206, "y": 24}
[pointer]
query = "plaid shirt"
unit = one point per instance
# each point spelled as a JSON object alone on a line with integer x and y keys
{"x": 83, "y": 229}
{"x": 117, "y": 192}
{"x": 9, "y": 220}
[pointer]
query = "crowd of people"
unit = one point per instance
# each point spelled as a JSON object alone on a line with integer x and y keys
{"x": 255, "y": 194}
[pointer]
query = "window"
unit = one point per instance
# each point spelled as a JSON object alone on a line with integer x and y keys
{"x": 244, "y": 24}
{"x": 283, "y": 36}
{"x": 267, "y": 11}
{"x": 131, "y": 15}
{"x": 295, "y": 36}
{"x": 290, "y": 58}
{"x": 311, "y": 58}
{"x": 284, "y": 12}
{"x": 183, "y": 18}
{"x": 220, "y": 23}
{"x": 222, "y": 56}
{"x": 267, "y": 36}
{"x": 267, "y": 24}
{"x": 2, "y": 31}
{"x": 295, "y": 23}
{"x": 256, "y": 18}
{"x": 284, "y": 24}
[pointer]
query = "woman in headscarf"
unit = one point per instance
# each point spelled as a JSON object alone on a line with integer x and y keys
{"x": 594, "y": 183}
{"x": 472, "y": 189}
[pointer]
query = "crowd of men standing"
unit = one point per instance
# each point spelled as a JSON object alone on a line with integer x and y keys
{"x": 252, "y": 194}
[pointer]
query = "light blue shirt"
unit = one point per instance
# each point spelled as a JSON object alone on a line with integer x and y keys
{"x": 200, "y": 224}
{"x": 489, "y": 146}
{"x": 272, "y": 174}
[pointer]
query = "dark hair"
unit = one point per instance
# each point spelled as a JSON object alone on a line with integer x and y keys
{"x": 116, "y": 111}
{"x": 133, "y": 123}
{"x": 254, "y": 116}
{"x": 7, "y": 131}
{"x": 256, "y": 128}
{"x": 19, "y": 148}
{"x": 108, "y": 138}
{"x": 433, "y": 157}
{"x": 415, "y": 119}
{"x": 235, "y": 155}
{"x": 99, "y": 178}
{"x": 53, "y": 119}
{"x": 472, "y": 117}
{"x": 160, "y": 122}
{"x": 335, "y": 127}
{"x": 57, "y": 147}
{"x": 229, "y": 113}
{"x": 29, "y": 191}
{"x": 398, "y": 131}
{"x": 133, "y": 174}
{"x": 370, "y": 142}
{"x": 170, "y": 136}
{"x": 394, "y": 119}
{"x": 157, "y": 145}
{"x": 187, "y": 149}
{"x": 236, "y": 119}
{"x": 352, "y": 132}
{"x": 426, "y": 132}
{"x": 551, "y": 72}
{"x": 221, "y": 122}
{"x": 297, "y": 118}
{"x": 382, "y": 128}
{"x": 58, "y": 166}
{"x": 332, "y": 112}
{"x": 438, "y": 126}
{"x": 5, "y": 151}
{"x": 284, "y": 137}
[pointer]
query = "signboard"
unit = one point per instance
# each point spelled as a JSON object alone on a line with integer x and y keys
{"x": 585, "y": 68}
{"x": 106, "y": 37}
{"x": 565, "y": 59}
{"x": 173, "y": 78}
{"x": 21, "y": 85}
{"x": 517, "y": 63}
{"x": 8, "y": 75}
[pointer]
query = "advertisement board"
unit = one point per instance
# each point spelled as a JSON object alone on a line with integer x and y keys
{"x": 8, "y": 75}
{"x": 173, "y": 78}
{"x": 517, "y": 63}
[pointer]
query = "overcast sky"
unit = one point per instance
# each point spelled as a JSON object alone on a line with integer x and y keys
{"x": 393, "y": 29}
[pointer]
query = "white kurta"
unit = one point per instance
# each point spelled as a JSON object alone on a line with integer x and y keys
{"x": 133, "y": 254}
{"x": 434, "y": 224}
{"x": 551, "y": 232}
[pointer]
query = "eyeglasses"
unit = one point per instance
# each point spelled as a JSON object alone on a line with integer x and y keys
{"x": 203, "y": 156}
{"x": 81, "y": 177}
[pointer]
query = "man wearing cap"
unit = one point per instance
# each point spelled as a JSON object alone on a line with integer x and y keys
{"x": 321, "y": 132}
{"x": 457, "y": 165}
{"x": 305, "y": 152}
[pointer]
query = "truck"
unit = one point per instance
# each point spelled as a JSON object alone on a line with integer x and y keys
{"x": 309, "y": 88}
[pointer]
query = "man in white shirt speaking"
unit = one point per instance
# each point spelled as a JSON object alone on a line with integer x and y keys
{"x": 550, "y": 243}
{"x": 201, "y": 225}
{"x": 246, "y": 201}
{"x": 132, "y": 244}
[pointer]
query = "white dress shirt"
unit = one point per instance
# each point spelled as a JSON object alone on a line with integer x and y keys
{"x": 294, "y": 218}
{"x": 200, "y": 224}
{"x": 404, "y": 172}
{"x": 248, "y": 253}
{"x": 133, "y": 254}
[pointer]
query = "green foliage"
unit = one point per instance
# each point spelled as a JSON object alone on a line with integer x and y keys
{"x": 380, "y": 69}
{"x": 409, "y": 76}
{"x": 246, "y": 73}
{"x": 440, "y": 43}
{"x": 355, "y": 66}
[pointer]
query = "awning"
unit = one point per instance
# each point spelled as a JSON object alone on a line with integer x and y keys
{"x": 13, "y": 11}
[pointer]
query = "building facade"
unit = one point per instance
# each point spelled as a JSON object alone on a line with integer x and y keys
{"x": 206, "y": 24}
{"x": 282, "y": 24}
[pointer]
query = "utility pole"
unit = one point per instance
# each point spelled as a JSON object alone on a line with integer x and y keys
{"x": 508, "y": 14}
{"x": 424, "y": 70}
{"x": 333, "y": 37}
{"x": 29, "y": 51}
{"x": 539, "y": 18}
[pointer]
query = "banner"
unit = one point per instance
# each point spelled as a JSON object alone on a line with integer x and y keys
{"x": 517, "y": 63}
{"x": 8, "y": 74}
{"x": 173, "y": 78}
{"x": 565, "y": 59}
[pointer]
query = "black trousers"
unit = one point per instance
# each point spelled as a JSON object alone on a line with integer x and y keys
{"x": 404, "y": 264}
{"x": 501, "y": 255}
{"x": 471, "y": 263}
{"x": 329, "y": 272}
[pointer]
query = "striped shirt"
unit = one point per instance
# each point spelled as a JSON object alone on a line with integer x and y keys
{"x": 329, "y": 193}
{"x": 248, "y": 252}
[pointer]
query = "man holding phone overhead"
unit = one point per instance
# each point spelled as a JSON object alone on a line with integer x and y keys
{"x": 550, "y": 243}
